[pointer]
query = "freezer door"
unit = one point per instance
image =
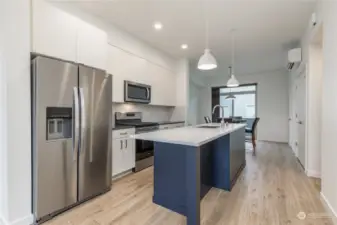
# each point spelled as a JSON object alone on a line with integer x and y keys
{"x": 96, "y": 127}
{"x": 55, "y": 117}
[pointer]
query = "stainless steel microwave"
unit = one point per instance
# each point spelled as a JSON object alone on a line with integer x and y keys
{"x": 136, "y": 92}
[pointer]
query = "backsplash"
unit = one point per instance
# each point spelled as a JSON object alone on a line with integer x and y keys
{"x": 150, "y": 113}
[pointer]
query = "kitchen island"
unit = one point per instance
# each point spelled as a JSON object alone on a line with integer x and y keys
{"x": 189, "y": 161}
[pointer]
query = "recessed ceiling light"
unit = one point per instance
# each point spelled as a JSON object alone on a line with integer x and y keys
{"x": 158, "y": 25}
{"x": 184, "y": 46}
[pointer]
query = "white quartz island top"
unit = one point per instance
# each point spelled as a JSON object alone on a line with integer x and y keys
{"x": 191, "y": 135}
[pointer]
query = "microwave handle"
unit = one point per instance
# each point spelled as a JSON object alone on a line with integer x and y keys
{"x": 148, "y": 93}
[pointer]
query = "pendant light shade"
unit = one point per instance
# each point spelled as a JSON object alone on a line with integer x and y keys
{"x": 207, "y": 61}
{"x": 232, "y": 82}
{"x": 230, "y": 96}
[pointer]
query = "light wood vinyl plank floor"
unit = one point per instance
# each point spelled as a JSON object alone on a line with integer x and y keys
{"x": 272, "y": 190}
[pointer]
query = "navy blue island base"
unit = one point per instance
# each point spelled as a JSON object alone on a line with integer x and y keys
{"x": 183, "y": 174}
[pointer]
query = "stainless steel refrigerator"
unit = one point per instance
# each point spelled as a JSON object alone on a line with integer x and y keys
{"x": 71, "y": 125}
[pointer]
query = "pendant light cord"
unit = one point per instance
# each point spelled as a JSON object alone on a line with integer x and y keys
{"x": 206, "y": 24}
{"x": 233, "y": 49}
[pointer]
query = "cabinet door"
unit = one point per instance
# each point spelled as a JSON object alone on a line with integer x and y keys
{"x": 92, "y": 46}
{"x": 129, "y": 156}
{"x": 125, "y": 66}
{"x": 54, "y": 31}
{"x": 117, "y": 156}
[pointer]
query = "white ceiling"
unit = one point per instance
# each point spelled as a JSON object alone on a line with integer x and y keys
{"x": 264, "y": 27}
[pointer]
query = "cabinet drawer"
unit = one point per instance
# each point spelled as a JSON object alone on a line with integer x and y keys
{"x": 117, "y": 134}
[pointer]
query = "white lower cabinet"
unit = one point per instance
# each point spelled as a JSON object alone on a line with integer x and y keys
{"x": 123, "y": 151}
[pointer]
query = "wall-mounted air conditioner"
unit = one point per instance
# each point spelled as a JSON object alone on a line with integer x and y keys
{"x": 294, "y": 57}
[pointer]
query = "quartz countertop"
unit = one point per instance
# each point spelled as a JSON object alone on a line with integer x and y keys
{"x": 191, "y": 135}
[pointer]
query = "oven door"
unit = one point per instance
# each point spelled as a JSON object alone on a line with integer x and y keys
{"x": 135, "y": 92}
{"x": 144, "y": 149}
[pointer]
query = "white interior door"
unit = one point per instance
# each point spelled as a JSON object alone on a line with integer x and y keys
{"x": 292, "y": 120}
{"x": 300, "y": 117}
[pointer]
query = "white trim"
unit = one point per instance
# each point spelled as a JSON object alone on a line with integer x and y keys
{"x": 27, "y": 220}
{"x": 328, "y": 206}
{"x": 313, "y": 173}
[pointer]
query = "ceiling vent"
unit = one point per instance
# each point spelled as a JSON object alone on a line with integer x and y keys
{"x": 294, "y": 58}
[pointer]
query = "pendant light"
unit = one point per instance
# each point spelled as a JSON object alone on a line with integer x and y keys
{"x": 230, "y": 96}
{"x": 232, "y": 82}
{"x": 207, "y": 61}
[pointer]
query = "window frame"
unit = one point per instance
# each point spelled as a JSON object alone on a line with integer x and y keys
{"x": 238, "y": 93}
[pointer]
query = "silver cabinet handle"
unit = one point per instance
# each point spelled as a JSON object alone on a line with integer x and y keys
{"x": 125, "y": 133}
{"x": 126, "y": 143}
{"x": 76, "y": 126}
{"x": 121, "y": 144}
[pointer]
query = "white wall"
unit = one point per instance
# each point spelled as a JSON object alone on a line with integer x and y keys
{"x": 329, "y": 104}
{"x": 15, "y": 113}
{"x": 193, "y": 104}
{"x": 3, "y": 164}
{"x": 314, "y": 108}
{"x": 272, "y": 101}
{"x": 326, "y": 13}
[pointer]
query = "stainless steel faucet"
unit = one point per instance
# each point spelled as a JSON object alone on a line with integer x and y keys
{"x": 223, "y": 113}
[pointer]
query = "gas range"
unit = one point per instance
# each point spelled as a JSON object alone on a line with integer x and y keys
{"x": 144, "y": 149}
{"x": 135, "y": 119}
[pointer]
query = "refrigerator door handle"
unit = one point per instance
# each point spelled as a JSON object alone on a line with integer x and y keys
{"x": 83, "y": 120}
{"x": 76, "y": 123}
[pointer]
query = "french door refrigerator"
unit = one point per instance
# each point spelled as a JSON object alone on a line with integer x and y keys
{"x": 72, "y": 125}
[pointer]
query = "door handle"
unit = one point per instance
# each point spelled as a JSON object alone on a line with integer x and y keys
{"x": 126, "y": 143}
{"x": 121, "y": 144}
{"x": 299, "y": 122}
{"x": 76, "y": 126}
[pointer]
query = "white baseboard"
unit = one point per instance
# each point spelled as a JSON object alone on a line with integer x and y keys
{"x": 329, "y": 208}
{"x": 27, "y": 220}
{"x": 312, "y": 173}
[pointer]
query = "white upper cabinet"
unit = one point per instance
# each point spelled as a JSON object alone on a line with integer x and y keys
{"x": 92, "y": 46}
{"x": 54, "y": 31}
{"x": 59, "y": 34}
{"x": 124, "y": 65}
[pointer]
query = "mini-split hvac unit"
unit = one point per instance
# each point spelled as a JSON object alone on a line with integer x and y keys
{"x": 294, "y": 57}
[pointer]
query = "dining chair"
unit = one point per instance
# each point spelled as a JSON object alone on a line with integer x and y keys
{"x": 252, "y": 132}
{"x": 207, "y": 119}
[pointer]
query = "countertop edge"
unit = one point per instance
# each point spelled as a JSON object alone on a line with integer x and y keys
{"x": 194, "y": 144}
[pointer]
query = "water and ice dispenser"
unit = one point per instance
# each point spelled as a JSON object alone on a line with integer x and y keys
{"x": 59, "y": 123}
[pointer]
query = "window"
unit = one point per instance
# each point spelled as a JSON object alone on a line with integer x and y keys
{"x": 244, "y": 104}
